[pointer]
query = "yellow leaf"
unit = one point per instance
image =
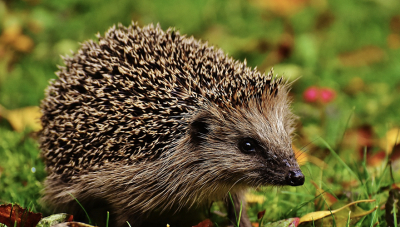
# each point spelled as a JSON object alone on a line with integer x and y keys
{"x": 302, "y": 158}
{"x": 321, "y": 214}
{"x": 26, "y": 117}
{"x": 362, "y": 214}
{"x": 391, "y": 139}
{"x": 10, "y": 33}
{"x": 252, "y": 198}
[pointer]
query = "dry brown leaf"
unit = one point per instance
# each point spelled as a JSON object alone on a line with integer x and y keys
{"x": 10, "y": 214}
{"x": 260, "y": 214}
{"x": 26, "y": 117}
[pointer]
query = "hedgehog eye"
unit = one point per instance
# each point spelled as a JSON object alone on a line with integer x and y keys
{"x": 248, "y": 145}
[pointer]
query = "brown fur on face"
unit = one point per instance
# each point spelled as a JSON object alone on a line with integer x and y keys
{"x": 151, "y": 125}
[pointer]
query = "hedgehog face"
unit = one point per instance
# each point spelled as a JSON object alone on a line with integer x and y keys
{"x": 254, "y": 143}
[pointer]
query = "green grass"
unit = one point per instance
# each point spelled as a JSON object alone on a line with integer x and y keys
{"x": 322, "y": 44}
{"x": 21, "y": 169}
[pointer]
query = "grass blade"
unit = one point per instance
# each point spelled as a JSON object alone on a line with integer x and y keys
{"x": 87, "y": 215}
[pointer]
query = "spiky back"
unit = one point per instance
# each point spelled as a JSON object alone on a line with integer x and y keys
{"x": 127, "y": 98}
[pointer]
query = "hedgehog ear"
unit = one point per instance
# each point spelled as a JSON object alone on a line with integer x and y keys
{"x": 198, "y": 128}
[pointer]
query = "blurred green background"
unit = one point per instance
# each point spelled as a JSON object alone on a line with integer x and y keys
{"x": 351, "y": 47}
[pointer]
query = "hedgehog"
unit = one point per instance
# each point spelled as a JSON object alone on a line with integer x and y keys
{"x": 154, "y": 126}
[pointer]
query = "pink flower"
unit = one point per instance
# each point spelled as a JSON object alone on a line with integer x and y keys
{"x": 327, "y": 95}
{"x": 311, "y": 94}
{"x": 316, "y": 94}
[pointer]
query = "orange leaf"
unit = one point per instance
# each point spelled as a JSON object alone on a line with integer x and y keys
{"x": 376, "y": 159}
{"x": 23, "y": 43}
{"x": 10, "y": 214}
{"x": 282, "y": 7}
{"x": 205, "y": 223}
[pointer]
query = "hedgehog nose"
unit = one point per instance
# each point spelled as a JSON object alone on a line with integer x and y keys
{"x": 295, "y": 178}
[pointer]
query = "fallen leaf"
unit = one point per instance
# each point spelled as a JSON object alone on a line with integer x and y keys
{"x": 376, "y": 159}
{"x": 310, "y": 217}
{"x": 260, "y": 214}
{"x": 290, "y": 222}
{"x": 54, "y": 219}
{"x": 26, "y": 117}
{"x": 10, "y": 214}
{"x": 252, "y": 198}
{"x": 73, "y": 224}
{"x": 391, "y": 138}
{"x": 205, "y": 223}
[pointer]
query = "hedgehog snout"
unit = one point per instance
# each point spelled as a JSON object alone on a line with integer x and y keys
{"x": 294, "y": 177}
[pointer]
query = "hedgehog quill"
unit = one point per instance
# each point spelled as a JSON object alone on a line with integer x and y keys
{"x": 153, "y": 126}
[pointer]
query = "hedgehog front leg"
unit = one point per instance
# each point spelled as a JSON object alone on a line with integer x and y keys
{"x": 239, "y": 202}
